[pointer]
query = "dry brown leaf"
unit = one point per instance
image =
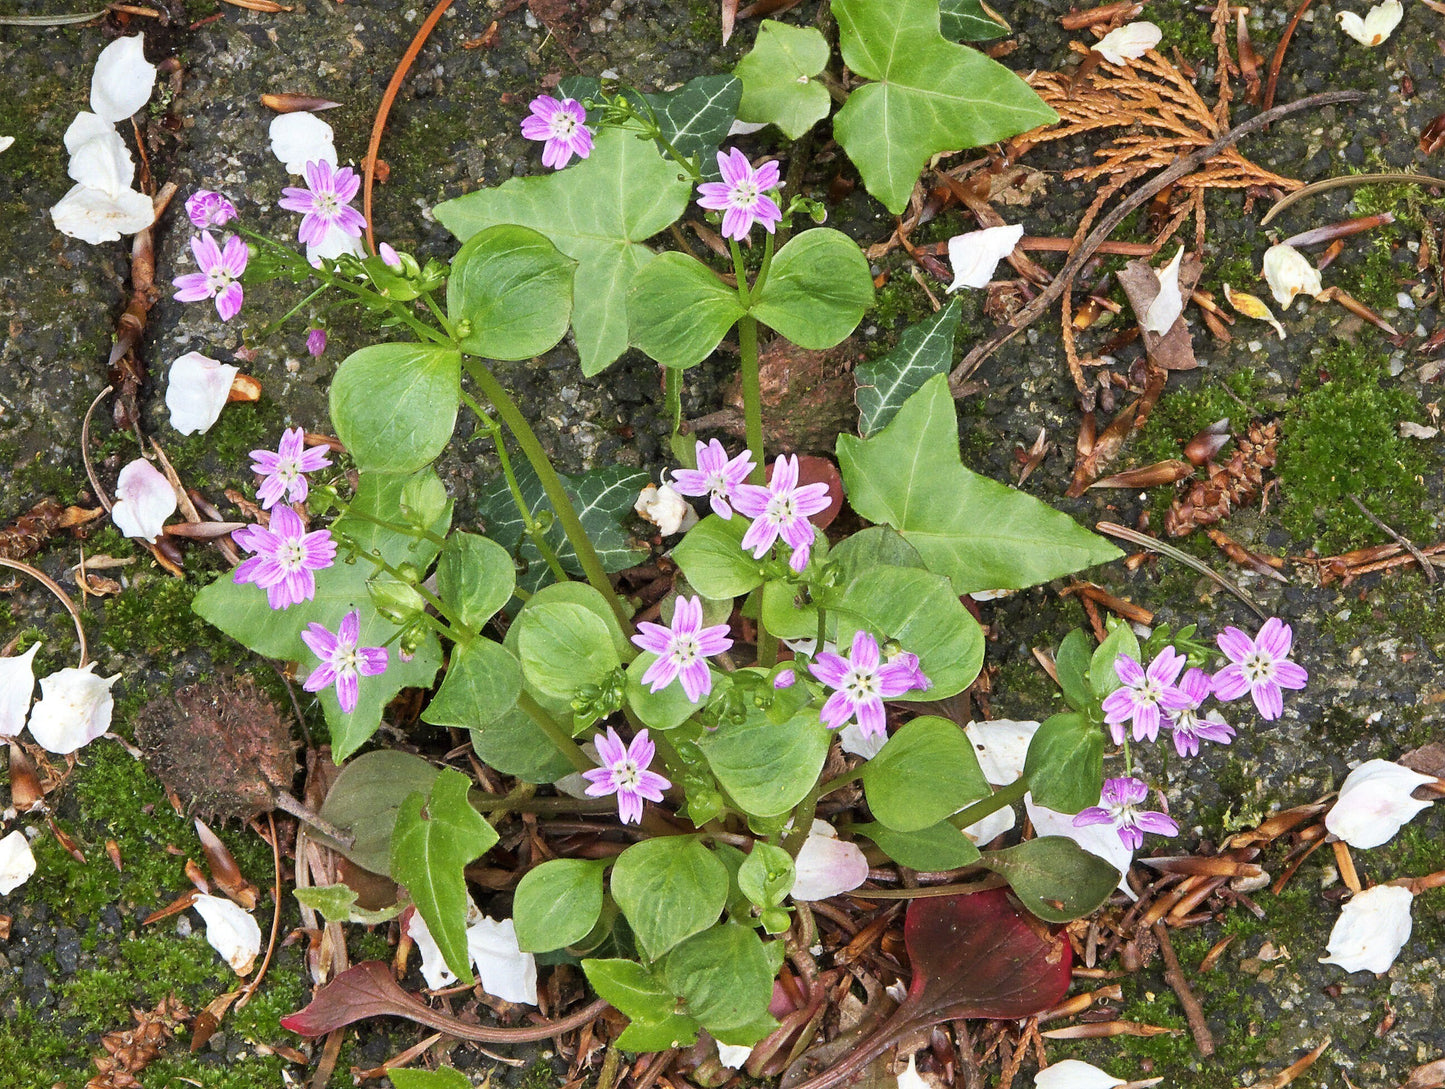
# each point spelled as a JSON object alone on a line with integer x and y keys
{"x": 1174, "y": 350}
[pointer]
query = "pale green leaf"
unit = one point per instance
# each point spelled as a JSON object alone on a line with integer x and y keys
{"x": 669, "y": 888}
{"x": 394, "y": 405}
{"x": 817, "y": 290}
{"x": 678, "y": 310}
{"x": 778, "y": 78}
{"x": 514, "y": 290}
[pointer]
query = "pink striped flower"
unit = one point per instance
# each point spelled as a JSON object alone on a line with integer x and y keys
{"x": 624, "y": 773}
{"x": 325, "y": 203}
{"x": 1119, "y": 806}
{"x": 285, "y": 468}
{"x": 1188, "y": 725}
{"x": 562, "y": 126}
{"x": 286, "y": 557}
{"x": 220, "y": 274}
{"x": 1144, "y": 692}
{"x": 863, "y": 681}
{"x": 343, "y": 661}
{"x": 1259, "y": 666}
{"x": 781, "y": 510}
{"x": 207, "y": 209}
{"x": 716, "y": 476}
{"x": 682, "y": 650}
{"x": 742, "y": 195}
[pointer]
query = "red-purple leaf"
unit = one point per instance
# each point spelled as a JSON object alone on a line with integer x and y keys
{"x": 368, "y": 990}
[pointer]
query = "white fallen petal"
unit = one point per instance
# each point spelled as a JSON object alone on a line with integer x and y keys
{"x": 1377, "y": 25}
{"x": 85, "y": 128}
{"x": 16, "y": 862}
{"x": 1128, "y": 42}
{"x": 855, "y": 742}
{"x": 991, "y": 827}
{"x": 123, "y": 79}
{"x": 1371, "y": 930}
{"x": 300, "y": 138}
{"x": 103, "y": 163}
{"x": 74, "y": 709}
{"x": 826, "y": 865}
{"x": 332, "y": 245}
{"x": 94, "y": 216}
{"x": 744, "y": 128}
{"x": 1001, "y": 746}
{"x": 1098, "y": 839}
{"x": 433, "y": 965}
{"x": 503, "y": 970}
{"x": 1164, "y": 311}
{"x": 665, "y": 508}
{"x": 144, "y": 499}
{"x": 232, "y": 931}
{"x": 1073, "y": 1074}
{"x": 1289, "y": 273}
{"x": 732, "y": 1056}
{"x": 976, "y": 254}
{"x": 910, "y": 1078}
{"x": 5, "y": 142}
{"x": 196, "y": 392}
{"x": 17, "y": 685}
{"x": 1375, "y": 802}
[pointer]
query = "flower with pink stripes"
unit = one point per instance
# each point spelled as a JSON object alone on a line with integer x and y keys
{"x": 624, "y": 773}
{"x": 343, "y": 660}
{"x": 716, "y": 476}
{"x": 1144, "y": 693}
{"x": 683, "y": 649}
{"x": 742, "y": 195}
{"x": 1188, "y": 725}
{"x": 325, "y": 203}
{"x": 863, "y": 681}
{"x": 286, "y": 557}
{"x": 220, "y": 275}
{"x": 1119, "y": 806}
{"x": 1259, "y": 666}
{"x": 781, "y": 510}
{"x": 285, "y": 468}
{"x": 562, "y": 127}
{"x": 207, "y": 209}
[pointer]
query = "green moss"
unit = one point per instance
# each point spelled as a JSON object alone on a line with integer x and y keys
{"x": 1373, "y": 276}
{"x": 1340, "y": 438}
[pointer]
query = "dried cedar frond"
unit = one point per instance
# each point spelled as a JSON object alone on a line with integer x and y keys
{"x": 1233, "y": 484}
{"x": 220, "y": 746}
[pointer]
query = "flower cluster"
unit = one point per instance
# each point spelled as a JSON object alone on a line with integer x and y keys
{"x": 862, "y": 681}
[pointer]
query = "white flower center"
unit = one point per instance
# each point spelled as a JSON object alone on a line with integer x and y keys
{"x": 782, "y": 510}
{"x": 1148, "y": 691}
{"x": 627, "y": 774}
{"x": 861, "y": 685}
{"x": 716, "y": 484}
{"x": 1257, "y": 666}
{"x": 327, "y": 206}
{"x": 291, "y": 554}
{"x": 345, "y": 658}
{"x": 1124, "y": 814}
{"x": 218, "y": 277}
{"x": 685, "y": 649}
{"x": 288, "y": 470}
{"x": 744, "y": 194}
{"x": 562, "y": 125}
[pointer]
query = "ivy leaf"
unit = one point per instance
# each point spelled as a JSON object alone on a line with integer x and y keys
{"x": 599, "y": 213}
{"x": 970, "y": 21}
{"x": 924, "y": 349}
{"x": 979, "y": 533}
{"x": 694, "y": 119}
{"x": 430, "y": 850}
{"x": 930, "y": 95}
{"x": 777, "y": 77}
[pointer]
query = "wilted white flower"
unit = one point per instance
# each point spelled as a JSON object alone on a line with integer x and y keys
{"x": 94, "y": 216}
{"x": 144, "y": 499}
{"x": 1164, "y": 311}
{"x": 1128, "y": 42}
{"x": 910, "y": 1078}
{"x": 1371, "y": 930}
{"x": 1289, "y": 273}
{"x": 16, "y": 862}
{"x": 1377, "y": 25}
{"x": 232, "y": 931}
{"x": 300, "y": 138}
{"x": 665, "y": 508}
{"x": 85, "y": 128}
{"x": 1098, "y": 839}
{"x": 976, "y": 254}
{"x": 826, "y": 865}
{"x": 1375, "y": 802}
{"x": 1001, "y": 746}
{"x": 74, "y": 709}
{"x": 103, "y": 162}
{"x": 17, "y": 685}
{"x": 5, "y": 142}
{"x": 433, "y": 965}
{"x": 1073, "y": 1074}
{"x": 333, "y": 244}
{"x": 503, "y": 970}
{"x": 732, "y": 1055}
{"x": 123, "y": 79}
{"x": 197, "y": 391}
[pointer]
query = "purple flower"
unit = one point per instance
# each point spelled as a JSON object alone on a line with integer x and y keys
{"x": 284, "y": 468}
{"x": 682, "y": 650}
{"x": 286, "y": 556}
{"x": 562, "y": 125}
{"x": 624, "y": 773}
{"x": 389, "y": 256}
{"x": 343, "y": 662}
{"x": 221, "y": 270}
{"x": 781, "y": 509}
{"x": 786, "y": 678}
{"x": 1189, "y": 725}
{"x": 1259, "y": 666}
{"x": 1143, "y": 694}
{"x": 1118, "y": 805}
{"x": 863, "y": 682}
{"x": 209, "y": 209}
{"x": 325, "y": 202}
{"x": 741, "y": 195}
{"x": 316, "y": 342}
{"x": 715, "y": 475}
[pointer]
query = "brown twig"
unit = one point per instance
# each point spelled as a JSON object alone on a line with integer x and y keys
{"x": 250, "y": 988}
{"x": 1174, "y": 976}
{"x": 54, "y": 587}
{"x": 1278, "y": 59}
{"x": 1347, "y": 181}
{"x": 1424, "y": 561}
{"x": 1121, "y": 211}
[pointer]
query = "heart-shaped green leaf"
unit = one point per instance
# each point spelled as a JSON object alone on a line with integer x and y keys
{"x": 817, "y": 290}
{"x": 394, "y": 405}
{"x": 513, "y": 288}
{"x": 778, "y": 78}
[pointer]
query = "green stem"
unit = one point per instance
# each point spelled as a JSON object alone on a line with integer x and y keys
{"x": 551, "y": 484}
{"x": 350, "y": 511}
{"x": 456, "y": 630}
{"x": 802, "y": 821}
{"x": 765, "y": 267}
{"x": 284, "y": 318}
{"x": 439, "y": 315}
{"x": 558, "y": 736}
{"x": 1001, "y": 797}
{"x": 839, "y": 783}
{"x": 752, "y": 395}
{"x": 530, "y": 525}
{"x": 672, "y": 395}
{"x": 767, "y": 647}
